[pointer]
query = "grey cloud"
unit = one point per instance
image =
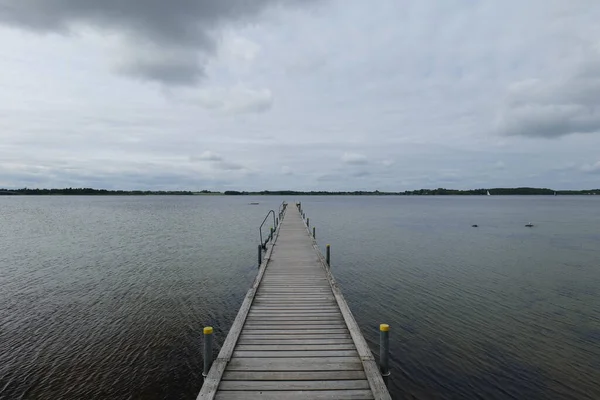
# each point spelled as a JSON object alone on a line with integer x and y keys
{"x": 217, "y": 161}
{"x": 550, "y": 109}
{"x": 354, "y": 159}
{"x": 146, "y": 26}
{"x": 591, "y": 168}
{"x": 207, "y": 156}
{"x": 229, "y": 166}
{"x": 235, "y": 100}
{"x": 329, "y": 178}
{"x": 177, "y": 68}
{"x": 361, "y": 174}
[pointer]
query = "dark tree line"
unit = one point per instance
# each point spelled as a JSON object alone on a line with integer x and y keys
{"x": 420, "y": 192}
{"x": 90, "y": 192}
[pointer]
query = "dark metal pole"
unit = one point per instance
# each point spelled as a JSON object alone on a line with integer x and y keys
{"x": 259, "y": 255}
{"x": 328, "y": 247}
{"x": 384, "y": 349}
{"x": 314, "y": 232}
{"x": 207, "y": 350}
{"x": 308, "y": 222}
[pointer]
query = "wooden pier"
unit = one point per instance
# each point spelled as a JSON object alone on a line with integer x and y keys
{"x": 294, "y": 336}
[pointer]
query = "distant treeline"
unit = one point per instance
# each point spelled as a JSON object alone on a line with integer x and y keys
{"x": 423, "y": 192}
{"x": 499, "y": 192}
{"x": 90, "y": 191}
{"x": 420, "y": 192}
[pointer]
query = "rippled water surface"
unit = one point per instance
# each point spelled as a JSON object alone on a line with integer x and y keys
{"x": 107, "y": 296}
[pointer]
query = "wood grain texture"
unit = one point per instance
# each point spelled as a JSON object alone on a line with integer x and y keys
{"x": 295, "y": 385}
{"x": 297, "y": 395}
{"x": 293, "y": 375}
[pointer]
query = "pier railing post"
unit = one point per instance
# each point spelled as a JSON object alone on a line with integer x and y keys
{"x": 314, "y": 232}
{"x": 208, "y": 330}
{"x": 259, "y": 255}
{"x": 328, "y": 257}
{"x": 384, "y": 349}
{"x": 276, "y": 222}
{"x": 308, "y": 222}
{"x": 271, "y": 237}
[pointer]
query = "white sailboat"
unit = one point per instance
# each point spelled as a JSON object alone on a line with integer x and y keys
{"x": 488, "y": 193}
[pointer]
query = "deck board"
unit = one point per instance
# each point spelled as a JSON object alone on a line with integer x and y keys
{"x": 298, "y": 339}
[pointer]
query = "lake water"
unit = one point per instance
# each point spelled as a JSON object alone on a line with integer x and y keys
{"x": 106, "y": 297}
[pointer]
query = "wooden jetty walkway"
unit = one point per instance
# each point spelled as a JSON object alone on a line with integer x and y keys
{"x": 294, "y": 336}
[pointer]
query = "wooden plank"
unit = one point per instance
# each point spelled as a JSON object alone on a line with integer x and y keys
{"x": 307, "y": 303}
{"x": 307, "y": 315}
{"x": 295, "y": 364}
{"x": 297, "y": 295}
{"x": 328, "y": 308}
{"x": 295, "y": 285}
{"x": 294, "y": 313}
{"x": 293, "y": 375}
{"x": 294, "y": 347}
{"x": 294, "y": 309}
{"x": 296, "y": 331}
{"x": 295, "y": 385}
{"x": 254, "y": 323}
{"x": 306, "y": 341}
{"x": 307, "y": 290}
{"x": 291, "y": 320}
{"x": 293, "y": 327}
{"x": 295, "y": 353}
{"x": 295, "y": 336}
{"x": 296, "y": 395}
{"x": 290, "y": 301}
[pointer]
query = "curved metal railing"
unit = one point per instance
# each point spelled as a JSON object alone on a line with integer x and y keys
{"x": 264, "y": 244}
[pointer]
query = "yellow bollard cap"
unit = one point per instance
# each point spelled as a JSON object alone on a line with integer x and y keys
{"x": 384, "y": 327}
{"x": 328, "y": 245}
{"x": 208, "y": 330}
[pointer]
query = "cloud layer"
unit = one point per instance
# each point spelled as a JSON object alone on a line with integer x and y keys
{"x": 555, "y": 107}
{"x": 165, "y": 41}
{"x": 284, "y": 94}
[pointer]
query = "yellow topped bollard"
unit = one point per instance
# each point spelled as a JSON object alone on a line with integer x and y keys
{"x": 208, "y": 332}
{"x": 384, "y": 349}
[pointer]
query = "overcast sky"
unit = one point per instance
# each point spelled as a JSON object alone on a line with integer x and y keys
{"x": 276, "y": 94}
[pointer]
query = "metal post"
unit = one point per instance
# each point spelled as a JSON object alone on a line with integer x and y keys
{"x": 259, "y": 255}
{"x": 208, "y": 330}
{"x": 384, "y": 349}
{"x": 314, "y": 233}
{"x": 308, "y": 222}
{"x": 276, "y": 221}
{"x": 328, "y": 255}
{"x": 271, "y": 233}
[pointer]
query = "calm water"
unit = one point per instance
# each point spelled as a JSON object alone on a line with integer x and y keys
{"x": 107, "y": 296}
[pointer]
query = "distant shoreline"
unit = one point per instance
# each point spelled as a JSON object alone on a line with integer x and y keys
{"x": 527, "y": 191}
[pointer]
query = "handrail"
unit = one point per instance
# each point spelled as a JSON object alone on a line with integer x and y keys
{"x": 282, "y": 207}
{"x": 264, "y": 245}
